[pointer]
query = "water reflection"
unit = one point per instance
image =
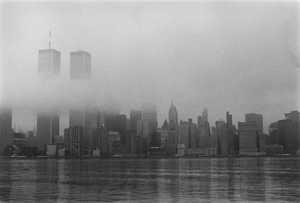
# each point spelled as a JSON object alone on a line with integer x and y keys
{"x": 261, "y": 179}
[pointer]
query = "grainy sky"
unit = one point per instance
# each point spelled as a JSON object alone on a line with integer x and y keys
{"x": 236, "y": 56}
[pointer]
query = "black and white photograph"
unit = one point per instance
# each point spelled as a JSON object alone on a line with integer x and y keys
{"x": 150, "y": 101}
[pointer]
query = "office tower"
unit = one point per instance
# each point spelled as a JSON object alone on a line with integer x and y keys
{"x": 149, "y": 112}
{"x": 135, "y": 115}
{"x": 205, "y": 115}
{"x": 165, "y": 125}
{"x": 172, "y": 141}
{"x": 100, "y": 139}
{"x": 173, "y": 117}
{"x": 187, "y": 134}
{"x": 131, "y": 142}
{"x": 273, "y": 134}
{"x": 232, "y": 138}
{"x": 200, "y": 126}
{"x": 119, "y": 125}
{"x": 257, "y": 118}
{"x": 113, "y": 143}
{"x": 6, "y": 131}
{"x": 80, "y": 70}
{"x": 95, "y": 118}
{"x": 219, "y": 125}
{"x": 73, "y": 138}
{"x": 149, "y": 118}
{"x": 48, "y": 119}
{"x": 289, "y": 132}
{"x": 48, "y": 63}
{"x": 155, "y": 144}
{"x": 139, "y": 128}
{"x": 251, "y": 141}
{"x": 80, "y": 63}
{"x": 127, "y": 124}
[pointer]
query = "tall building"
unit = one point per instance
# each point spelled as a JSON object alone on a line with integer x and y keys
{"x": 257, "y": 118}
{"x": 289, "y": 132}
{"x": 48, "y": 120}
{"x": 149, "y": 112}
{"x": 80, "y": 69}
{"x": 47, "y": 129}
{"x": 187, "y": 134}
{"x": 200, "y": 126}
{"x": 205, "y": 115}
{"x": 80, "y": 62}
{"x": 251, "y": 140}
{"x": 171, "y": 144}
{"x": 219, "y": 125}
{"x": 135, "y": 115}
{"x": 173, "y": 117}
{"x": 6, "y": 131}
{"x": 119, "y": 125}
{"x": 48, "y": 63}
{"x": 73, "y": 138}
{"x": 149, "y": 119}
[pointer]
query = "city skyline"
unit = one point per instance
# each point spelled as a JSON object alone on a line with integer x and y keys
{"x": 145, "y": 53}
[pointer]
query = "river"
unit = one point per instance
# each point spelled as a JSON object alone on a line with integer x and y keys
{"x": 204, "y": 179}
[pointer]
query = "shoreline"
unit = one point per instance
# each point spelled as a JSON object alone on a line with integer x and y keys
{"x": 148, "y": 157}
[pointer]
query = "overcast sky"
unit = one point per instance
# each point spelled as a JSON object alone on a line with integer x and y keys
{"x": 240, "y": 57}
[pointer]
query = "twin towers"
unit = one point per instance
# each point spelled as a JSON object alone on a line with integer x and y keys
{"x": 49, "y": 68}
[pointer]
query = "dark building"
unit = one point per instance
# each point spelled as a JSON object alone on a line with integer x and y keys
{"x": 228, "y": 143}
{"x": 173, "y": 117}
{"x": 100, "y": 139}
{"x": 251, "y": 140}
{"x": 287, "y": 136}
{"x": 47, "y": 128}
{"x": 131, "y": 142}
{"x": 273, "y": 137}
{"x": 257, "y": 118}
{"x": 119, "y": 125}
{"x": 171, "y": 144}
{"x": 135, "y": 115}
{"x": 6, "y": 131}
{"x": 31, "y": 139}
{"x": 19, "y": 139}
{"x": 208, "y": 145}
{"x": 149, "y": 119}
{"x": 73, "y": 138}
{"x": 80, "y": 70}
{"x": 165, "y": 125}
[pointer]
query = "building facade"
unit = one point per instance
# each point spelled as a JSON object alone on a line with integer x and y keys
{"x": 257, "y": 118}
{"x": 47, "y": 119}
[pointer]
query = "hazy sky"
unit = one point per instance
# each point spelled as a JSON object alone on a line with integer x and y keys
{"x": 236, "y": 56}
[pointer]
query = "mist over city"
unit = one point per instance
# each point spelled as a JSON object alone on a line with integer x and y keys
{"x": 149, "y": 101}
{"x": 240, "y": 57}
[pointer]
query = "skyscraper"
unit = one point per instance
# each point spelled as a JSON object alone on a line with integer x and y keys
{"x": 149, "y": 118}
{"x": 205, "y": 115}
{"x": 6, "y": 132}
{"x": 73, "y": 138}
{"x": 80, "y": 69}
{"x": 149, "y": 112}
{"x": 47, "y": 120}
{"x": 135, "y": 115}
{"x": 49, "y": 63}
{"x": 80, "y": 65}
{"x": 257, "y": 118}
{"x": 173, "y": 117}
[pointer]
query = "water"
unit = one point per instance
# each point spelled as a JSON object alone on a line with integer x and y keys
{"x": 260, "y": 179}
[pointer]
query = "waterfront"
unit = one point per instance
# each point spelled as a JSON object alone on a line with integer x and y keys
{"x": 205, "y": 179}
